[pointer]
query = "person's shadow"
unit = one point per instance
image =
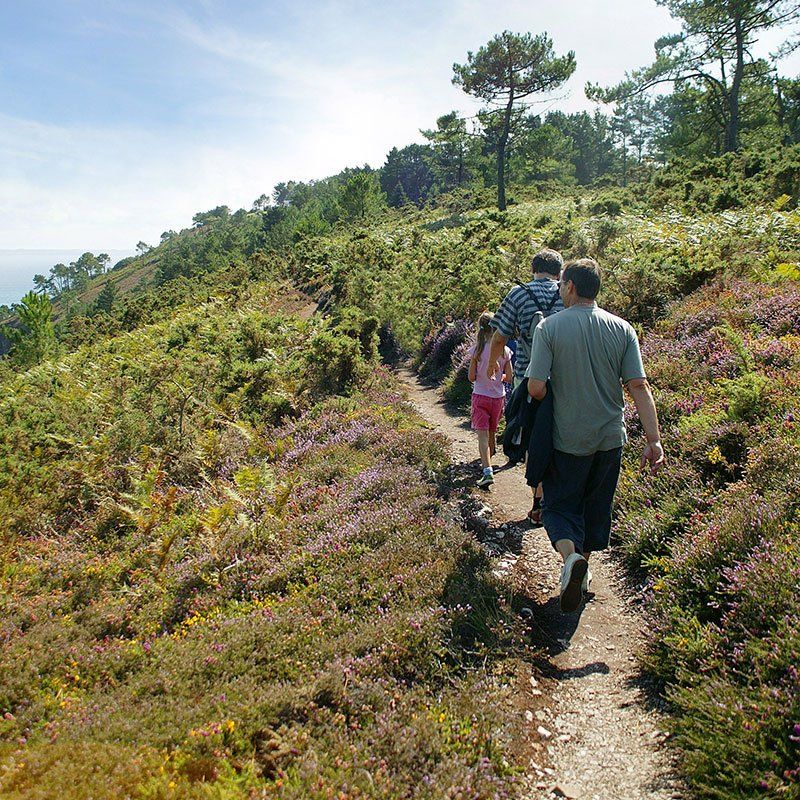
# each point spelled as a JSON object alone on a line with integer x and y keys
{"x": 553, "y": 630}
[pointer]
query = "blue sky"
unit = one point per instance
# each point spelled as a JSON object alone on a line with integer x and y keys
{"x": 120, "y": 119}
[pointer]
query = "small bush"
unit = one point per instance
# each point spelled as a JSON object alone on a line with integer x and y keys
{"x": 435, "y": 359}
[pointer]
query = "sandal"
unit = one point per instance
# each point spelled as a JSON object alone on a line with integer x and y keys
{"x": 535, "y": 514}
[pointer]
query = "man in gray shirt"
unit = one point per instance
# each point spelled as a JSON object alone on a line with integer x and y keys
{"x": 588, "y": 354}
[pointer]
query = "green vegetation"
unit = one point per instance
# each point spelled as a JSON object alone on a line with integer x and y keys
{"x": 185, "y": 498}
{"x": 220, "y": 579}
{"x": 226, "y": 567}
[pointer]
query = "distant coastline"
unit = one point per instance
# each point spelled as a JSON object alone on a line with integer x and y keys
{"x": 17, "y": 267}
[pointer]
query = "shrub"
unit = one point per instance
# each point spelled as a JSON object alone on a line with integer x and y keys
{"x": 715, "y": 535}
{"x": 435, "y": 358}
{"x": 566, "y": 237}
{"x": 606, "y": 204}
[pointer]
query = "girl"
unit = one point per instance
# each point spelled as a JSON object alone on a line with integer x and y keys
{"x": 488, "y": 394}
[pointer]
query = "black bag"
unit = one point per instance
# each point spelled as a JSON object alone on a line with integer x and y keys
{"x": 520, "y": 412}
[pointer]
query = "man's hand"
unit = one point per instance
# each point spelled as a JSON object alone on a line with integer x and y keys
{"x": 537, "y": 389}
{"x": 654, "y": 456}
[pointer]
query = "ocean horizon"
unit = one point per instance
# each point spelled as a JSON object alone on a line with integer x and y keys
{"x": 17, "y": 267}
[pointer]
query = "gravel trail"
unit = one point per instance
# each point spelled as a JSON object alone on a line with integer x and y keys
{"x": 594, "y": 732}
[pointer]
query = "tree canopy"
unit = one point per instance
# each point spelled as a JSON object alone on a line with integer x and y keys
{"x": 33, "y": 338}
{"x": 714, "y": 51}
{"x": 508, "y": 69}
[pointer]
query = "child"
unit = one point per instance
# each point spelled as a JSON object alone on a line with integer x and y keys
{"x": 488, "y": 395}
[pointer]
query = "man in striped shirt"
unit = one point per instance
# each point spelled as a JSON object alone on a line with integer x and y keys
{"x": 521, "y": 304}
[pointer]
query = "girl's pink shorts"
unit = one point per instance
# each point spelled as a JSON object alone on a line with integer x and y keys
{"x": 486, "y": 412}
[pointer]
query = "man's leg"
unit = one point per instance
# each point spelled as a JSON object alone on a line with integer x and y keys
{"x": 601, "y": 486}
{"x": 535, "y": 514}
{"x": 562, "y": 499}
{"x": 566, "y": 548}
{"x": 563, "y": 516}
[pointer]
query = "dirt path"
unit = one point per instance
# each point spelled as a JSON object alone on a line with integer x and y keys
{"x": 594, "y": 736}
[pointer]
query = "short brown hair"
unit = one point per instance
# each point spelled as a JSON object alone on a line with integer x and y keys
{"x": 548, "y": 261}
{"x": 585, "y": 275}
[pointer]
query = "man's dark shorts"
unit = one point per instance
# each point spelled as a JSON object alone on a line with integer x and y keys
{"x": 578, "y": 494}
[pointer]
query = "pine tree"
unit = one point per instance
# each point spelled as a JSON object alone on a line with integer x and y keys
{"x": 33, "y": 339}
{"x": 510, "y": 68}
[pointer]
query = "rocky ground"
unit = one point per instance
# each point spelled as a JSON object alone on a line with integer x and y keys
{"x": 595, "y": 731}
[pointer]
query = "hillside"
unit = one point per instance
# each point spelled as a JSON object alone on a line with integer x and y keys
{"x": 230, "y": 566}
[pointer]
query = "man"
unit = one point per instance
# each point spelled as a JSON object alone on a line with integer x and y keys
{"x": 588, "y": 354}
{"x": 537, "y": 299}
{"x": 522, "y": 304}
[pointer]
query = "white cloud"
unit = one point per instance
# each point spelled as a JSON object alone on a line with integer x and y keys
{"x": 285, "y": 113}
{"x": 334, "y": 87}
{"x": 67, "y": 186}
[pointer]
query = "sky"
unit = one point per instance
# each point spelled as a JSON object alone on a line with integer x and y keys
{"x": 120, "y": 119}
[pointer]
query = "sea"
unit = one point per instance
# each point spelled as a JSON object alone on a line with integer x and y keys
{"x": 17, "y": 267}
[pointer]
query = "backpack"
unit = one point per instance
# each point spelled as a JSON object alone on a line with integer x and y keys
{"x": 538, "y": 315}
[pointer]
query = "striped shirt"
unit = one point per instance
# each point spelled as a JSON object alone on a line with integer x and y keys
{"x": 513, "y": 318}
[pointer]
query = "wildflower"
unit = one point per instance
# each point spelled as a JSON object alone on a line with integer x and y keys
{"x": 715, "y": 456}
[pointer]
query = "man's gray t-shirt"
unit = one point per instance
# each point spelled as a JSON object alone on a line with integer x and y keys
{"x": 587, "y": 354}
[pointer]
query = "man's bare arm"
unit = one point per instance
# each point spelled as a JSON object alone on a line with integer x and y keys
{"x": 646, "y": 408}
{"x": 498, "y": 346}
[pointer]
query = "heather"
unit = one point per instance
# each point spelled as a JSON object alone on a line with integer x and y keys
{"x": 715, "y": 537}
{"x": 227, "y": 571}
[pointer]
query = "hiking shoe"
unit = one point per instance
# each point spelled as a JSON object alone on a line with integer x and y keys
{"x": 575, "y": 569}
{"x": 486, "y": 480}
{"x": 587, "y": 580}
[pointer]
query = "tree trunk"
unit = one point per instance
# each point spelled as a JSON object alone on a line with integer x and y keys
{"x": 732, "y": 132}
{"x": 780, "y": 112}
{"x": 624, "y": 160}
{"x": 501, "y": 174}
{"x": 501, "y": 154}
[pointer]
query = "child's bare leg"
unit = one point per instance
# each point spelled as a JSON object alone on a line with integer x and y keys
{"x": 492, "y": 443}
{"x": 483, "y": 448}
